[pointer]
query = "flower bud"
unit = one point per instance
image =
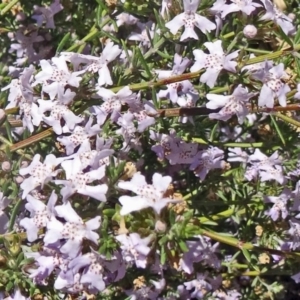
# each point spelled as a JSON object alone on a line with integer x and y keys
{"x": 19, "y": 179}
{"x": 6, "y": 166}
{"x": 160, "y": 226}
{"x": 2, "y": 114}
{"x": 250, "y": 31}
{"x": 292, "y": 16}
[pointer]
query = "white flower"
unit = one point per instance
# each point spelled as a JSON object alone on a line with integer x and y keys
{"x": 189, "y": 19}
{"x": 40, "y": 173}
{"x": 147, "y": 195}
{"x": 213, "y": 62}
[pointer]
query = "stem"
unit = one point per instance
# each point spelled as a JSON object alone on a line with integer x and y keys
{"x": 8, "y": 7}
{"x": 14, "y": 215}
{"x": 241, "y": 245}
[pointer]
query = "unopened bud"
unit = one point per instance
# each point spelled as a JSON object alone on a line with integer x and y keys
{"x": 6, "y": 166}
{"x": 19, "y": 179}
{"x": 2, "y": 114}
{"x": 24, "y": 164}
{"x": 160, "y": 226}
{"x": 292, "y": 16}
{"x": 250, "y": 31}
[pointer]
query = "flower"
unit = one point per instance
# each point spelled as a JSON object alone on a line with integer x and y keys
{"x": 234, "y": 104}
{"x": 40, "y": 173}
{"x": 189, "y": 19}
{"x": 96, "y": 64}
{"x": 76, "y": 181}
{"x": 4, "y": 220}
{"x": 112, "y": 103}
{"x": 134, "y": 248}
{"x": 59, "y": 110}
{"x": 250, "y": 31}
{"x": 73, "y": 231}
{"x": 199, "y": 287}
{"x": 207, "y": 160}
{"x": 268, "y": 168}
{"x": 47, "y": 13}
{"x": 93, "y": 269}
{"x": 179, "y": 66}
{"x": 146, "y": 31}
{"x": 273, "y": 86}
{"x": 55, "y": 75}
{"x": 278, "y": 17}
{"x": 199, "y": 250}
{"x": 246, "y": 6}
{"x": 79, "y": 135}
{"x": 147, "y": 195}
{"x": 213, "y": 62}
{"x": 280, "y": 204}
{"x": 40, "y": 215}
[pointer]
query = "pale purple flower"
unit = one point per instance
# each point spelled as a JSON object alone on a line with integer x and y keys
{"x": 46, "y": 14}
{"x": 278, "y": 17}
{"x": 146, "y": 30}
{"x": 147, "y": 195}
{"x": 273, "y": 86}
{"x": 198, "y": 286}
{"x": 127, "y": 130}
{"x": 207, "y": 160}
{"x": 134, "y": 248}
{"x": 149, "y": 292}
{"x": 16, "y": 296}
{"x": 96, "y": 64}
{"x": 77, "y": 181}
{"x": 4, "y": 220}
{"x": 93, "y": 268}
{"x": 112, "y": 103}
{"x": 24, "y": 48}
{"x": 213, "y": 62}
{"x": 294, "y": 232}
{"x": 246, "y": 6}
{"x": 93, "y": 158}
{"x": 201, "y": 250}
{"x": 216, "y": 10}
{"x": 179, "y": 66}
{"x": 189, "y": 19}
{"x": 55, "y": 75}
{"x": 46, "y": 261}
{"x": 141, "y": 112}
{"x": 20, "y": 90}
{"x": 40, "y": 215}
{"x": 165, "y": 6}
{"x": 189, "y": 100}
{"x": 280, "y": 205}
{"x": 79, "y": 135}
{"x": 59, "y": 110}
{"x": 268, "y": 168}
{"x": 40, "y": 173}
{"x": 73, "y": 231}
{"x": 165, "y": 142}
{"x": 237, "y": 155}
{"x": 297, "y": 95}
{"x": 234, "y": 104}
{"x": 182, "y": 153}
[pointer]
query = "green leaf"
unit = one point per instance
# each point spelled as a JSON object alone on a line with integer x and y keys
{"x": 63, "y": 42}
{"x": 163, "y": 255}
{"x": 143, "y": 62}
{"x": 285, "y": 37}
{"x": 278, "y": 130}
{"x": 297, "y": 37}
{"x": 246, "y": 254}
{"x": 183, "y": 246}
